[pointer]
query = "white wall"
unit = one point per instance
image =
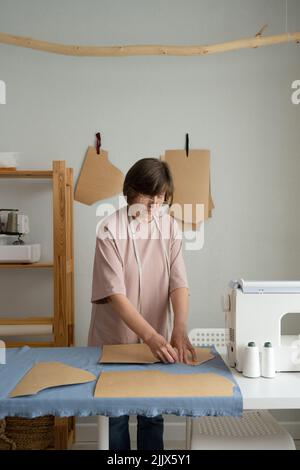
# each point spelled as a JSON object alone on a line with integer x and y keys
{"x": 236, "y": 104}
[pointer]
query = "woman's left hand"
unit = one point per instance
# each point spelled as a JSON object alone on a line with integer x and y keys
{"x": 181, "y": 342}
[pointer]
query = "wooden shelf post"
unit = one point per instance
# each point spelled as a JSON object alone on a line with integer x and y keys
{"x": 63, "y": 276}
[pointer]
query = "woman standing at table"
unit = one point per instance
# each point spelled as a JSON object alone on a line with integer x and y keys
{"x": 138, "y": 270}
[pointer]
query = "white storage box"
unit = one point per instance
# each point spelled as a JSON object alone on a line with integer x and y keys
{"x": 255, "y": 430}
{"x": 20, "y": 253}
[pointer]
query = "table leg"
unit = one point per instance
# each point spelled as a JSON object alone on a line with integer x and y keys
{"x": 103, "y": 433}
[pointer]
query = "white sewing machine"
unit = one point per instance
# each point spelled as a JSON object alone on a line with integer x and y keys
{"x": 253, "y": 312}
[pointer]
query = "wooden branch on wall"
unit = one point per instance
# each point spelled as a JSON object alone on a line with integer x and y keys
{"x": 120, "y": 51}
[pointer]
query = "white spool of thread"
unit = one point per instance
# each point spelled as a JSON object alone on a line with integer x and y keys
{"x": 251, "y": 362}
{"x": 268, "y": 361}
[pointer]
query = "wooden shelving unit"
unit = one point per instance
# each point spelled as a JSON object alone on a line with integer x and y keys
{"x": 62, "y": 266}
{"x": 26, "y": 265}
{"x": 26, "y": 173}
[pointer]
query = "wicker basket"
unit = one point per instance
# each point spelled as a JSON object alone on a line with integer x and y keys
{"x": 25, "y": 433}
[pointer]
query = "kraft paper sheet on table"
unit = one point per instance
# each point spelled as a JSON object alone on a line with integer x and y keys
{"x": 79, "y": 400}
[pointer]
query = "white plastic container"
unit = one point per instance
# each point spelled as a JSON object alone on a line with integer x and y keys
{"x": 2, "y": 352}
{"x": 9, "y": 159}
{"x": 251, "y": 361}
{"x": 3, "y": 240}
{"x": 268, "y": 368}
{"x": 20, "y": 253}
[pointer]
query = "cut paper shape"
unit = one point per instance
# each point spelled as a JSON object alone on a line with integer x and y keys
{"x": 99, "y": 178}
{"x": 191, "y": 175}
{"x": 202, "y": 354}
{"x": 140, "y": 353}
{"x": 154, "y": 383}
{"x": 211, "y": 202}
{"x": 50, "y": 374}
{"x": 190, "y": 226}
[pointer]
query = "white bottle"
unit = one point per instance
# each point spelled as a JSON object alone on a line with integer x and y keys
{"x": 251, "y": 361}
{"x": 268, "y": 361}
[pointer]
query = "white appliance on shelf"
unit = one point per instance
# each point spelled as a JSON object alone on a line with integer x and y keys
{"x": 20, "y": 253}
{"x": 14, "y": 225}
{"x": 253, "y": 312}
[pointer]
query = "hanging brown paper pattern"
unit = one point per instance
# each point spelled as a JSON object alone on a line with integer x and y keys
{"x": 99, "y": 178}
{"x": 191, "y": 175}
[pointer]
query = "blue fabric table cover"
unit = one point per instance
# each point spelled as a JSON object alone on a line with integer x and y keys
{"x": 78, "y": 400}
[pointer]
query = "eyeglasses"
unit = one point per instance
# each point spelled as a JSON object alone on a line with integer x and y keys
{"x": 145, "y": 199}
{"x": 143, "y": 204}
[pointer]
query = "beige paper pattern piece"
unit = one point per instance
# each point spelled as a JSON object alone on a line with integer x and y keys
{"x": 155, "y": 383}
{"x": 188, "y": 226}
{"x": 191, "y": 175}
{"x": 50, "y": 374}
{"x": 99, "y": 178}
{"x": 211, "y": 205}
{"x": 140, "y": 353}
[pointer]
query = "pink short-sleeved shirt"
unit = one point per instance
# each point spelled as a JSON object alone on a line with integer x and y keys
{"x": 116, "y": 272}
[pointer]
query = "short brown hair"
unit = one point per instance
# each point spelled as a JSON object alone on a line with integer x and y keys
{"x": 150, "y": 176}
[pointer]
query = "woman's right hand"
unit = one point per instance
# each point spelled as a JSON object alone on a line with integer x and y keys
{"x": 161, "y": 348}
